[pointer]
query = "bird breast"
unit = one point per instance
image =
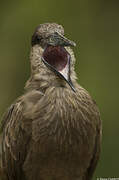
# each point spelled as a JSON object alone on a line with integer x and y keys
{"x": 60, "y": 113}
{"x": 62, "y": 132}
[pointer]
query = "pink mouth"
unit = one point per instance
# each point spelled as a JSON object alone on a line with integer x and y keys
{"x": 56, "y": 56}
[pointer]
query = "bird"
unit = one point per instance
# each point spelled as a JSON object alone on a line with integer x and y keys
{"x": 53, "y": 131}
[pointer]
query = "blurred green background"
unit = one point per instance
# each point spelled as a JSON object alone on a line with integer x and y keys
{"x": 94, "y": 26}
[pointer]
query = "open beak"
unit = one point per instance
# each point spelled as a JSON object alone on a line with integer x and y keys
{"x": 57, "y": 58}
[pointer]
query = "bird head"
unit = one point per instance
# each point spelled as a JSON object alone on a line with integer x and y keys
{"x": 54, "y": 49}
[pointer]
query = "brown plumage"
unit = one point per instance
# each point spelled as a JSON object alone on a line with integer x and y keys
{"x": 53, "y": 131}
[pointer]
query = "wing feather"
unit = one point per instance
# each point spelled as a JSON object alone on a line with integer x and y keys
{"x": 14, "y": 142}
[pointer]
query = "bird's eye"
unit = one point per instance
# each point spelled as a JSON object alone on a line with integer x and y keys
{"x": 36, "y": 39}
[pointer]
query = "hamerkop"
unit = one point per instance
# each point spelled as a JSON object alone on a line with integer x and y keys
{"x": 53, "y": 131}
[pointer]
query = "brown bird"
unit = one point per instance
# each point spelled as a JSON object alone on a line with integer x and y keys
{"x": 53, "y": 131}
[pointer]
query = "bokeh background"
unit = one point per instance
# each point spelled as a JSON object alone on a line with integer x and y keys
{"x": 94, "y": 26}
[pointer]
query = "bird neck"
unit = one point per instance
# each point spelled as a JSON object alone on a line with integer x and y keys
{"x": 41, "y": 76}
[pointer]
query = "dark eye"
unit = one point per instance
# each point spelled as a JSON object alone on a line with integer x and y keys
{"x": 36, "y": 39}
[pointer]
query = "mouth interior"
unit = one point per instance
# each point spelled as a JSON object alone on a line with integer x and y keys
{"x": 56, "y": 56}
